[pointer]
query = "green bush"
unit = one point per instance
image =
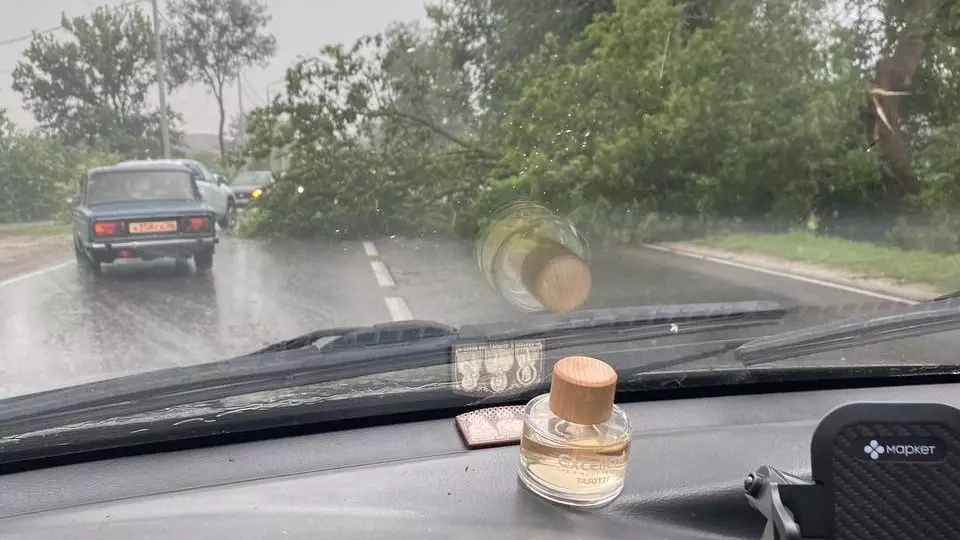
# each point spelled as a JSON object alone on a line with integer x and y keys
{"x": 39, "y": 175}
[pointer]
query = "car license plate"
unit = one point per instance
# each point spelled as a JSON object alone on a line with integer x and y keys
{"x": 153, "y": 227}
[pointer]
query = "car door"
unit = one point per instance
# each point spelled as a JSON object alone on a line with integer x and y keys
{"x": 224, "y": 186}
{"x": 209, "y": 188}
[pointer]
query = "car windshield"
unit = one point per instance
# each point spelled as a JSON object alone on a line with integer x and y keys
{"x": 252, "y": 178}
{"x": 123, "y": 186}
{"x": 442, "y": 197}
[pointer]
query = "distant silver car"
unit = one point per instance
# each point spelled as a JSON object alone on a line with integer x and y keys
{"x": 215, "y": 192}
{"x": 246, "y": 183}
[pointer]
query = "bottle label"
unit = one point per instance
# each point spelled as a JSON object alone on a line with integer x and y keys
{"x": 595, "y": 464}
{"x": 586, "y": 469}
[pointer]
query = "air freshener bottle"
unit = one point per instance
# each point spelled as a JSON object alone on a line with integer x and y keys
{"x": 575, "y": 444}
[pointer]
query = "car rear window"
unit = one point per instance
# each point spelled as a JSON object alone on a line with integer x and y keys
{"x": 120, "y": 186}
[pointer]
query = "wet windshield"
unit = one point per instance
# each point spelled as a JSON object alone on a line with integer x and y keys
{"x": 109, "y": 187}
{"x": 469, "y": 162}
{"x": 256, "y": 178}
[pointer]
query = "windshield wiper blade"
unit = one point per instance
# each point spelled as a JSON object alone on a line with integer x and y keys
{"x": 361, "y": 336}
{"x": 156, "y": 390}
{"x": 949, "y": 296}
{"x": 571, "y": 328}
{"x": 927, "y": 318}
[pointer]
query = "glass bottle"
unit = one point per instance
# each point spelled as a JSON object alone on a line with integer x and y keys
{"x": 535, "y": 259}
{"x": 575, "y": 444}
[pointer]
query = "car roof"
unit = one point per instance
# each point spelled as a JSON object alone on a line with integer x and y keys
{"x": 142, "y": 165}
{"x": 171, "y": 161}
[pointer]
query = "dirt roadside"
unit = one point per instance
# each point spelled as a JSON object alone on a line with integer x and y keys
{"x": 21, "y": 254}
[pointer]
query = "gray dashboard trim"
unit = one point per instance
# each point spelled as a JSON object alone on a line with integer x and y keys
{"x": 688, "y": 459}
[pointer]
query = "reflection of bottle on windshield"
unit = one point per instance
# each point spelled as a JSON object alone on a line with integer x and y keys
{"x": 535, "y": 259}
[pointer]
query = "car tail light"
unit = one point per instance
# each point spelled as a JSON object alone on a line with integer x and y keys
{"x": 197, "y": 224}
{"x": 107, "y": 228}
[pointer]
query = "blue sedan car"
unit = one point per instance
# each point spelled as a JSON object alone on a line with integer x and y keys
{"x": 142, "y": 211}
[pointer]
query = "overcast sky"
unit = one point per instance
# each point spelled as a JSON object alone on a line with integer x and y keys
{"x": 300, "y": 26}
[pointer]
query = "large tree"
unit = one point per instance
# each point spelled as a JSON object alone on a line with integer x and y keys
{"x": 485, "y": 36}
{"x": 908, "y": 32}
{"x": 90, "y": 84}
{"x": 641, "y": 118}
{"x": 213, "y": 40}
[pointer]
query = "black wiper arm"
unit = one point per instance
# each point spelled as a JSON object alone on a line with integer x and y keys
{"x": 927, "y": 318}
{"x": 360, "y": 336}
{"x": 632, "y": 322}
{"x": 948, "y": 296}
{"x": 572, "y": 328}
{"x": 295, "y": 364}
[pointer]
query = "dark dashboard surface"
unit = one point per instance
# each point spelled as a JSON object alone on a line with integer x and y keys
{"x": 417, "y": 480}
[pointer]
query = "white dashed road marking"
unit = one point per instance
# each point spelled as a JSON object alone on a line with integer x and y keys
{"x": 370, "y": 249}
{"x": 382, "y": 274}
{"x": 398, "y": 308}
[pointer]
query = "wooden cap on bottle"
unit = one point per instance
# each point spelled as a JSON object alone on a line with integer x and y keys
{"x": 582, "y": 390}
{"x": 556, "y": 276}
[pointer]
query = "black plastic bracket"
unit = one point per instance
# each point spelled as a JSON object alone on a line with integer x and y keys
{"x": 773, "y": 493}
{"x": 879, "y": 471}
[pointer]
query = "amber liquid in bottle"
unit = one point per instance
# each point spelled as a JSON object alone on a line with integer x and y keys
{"x": 582, "y": 465}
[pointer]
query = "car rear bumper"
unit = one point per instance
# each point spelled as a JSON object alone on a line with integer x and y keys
{"x": 140, "y": 249}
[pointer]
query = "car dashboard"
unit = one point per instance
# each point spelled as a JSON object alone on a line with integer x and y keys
{"x": 418, "y": 480}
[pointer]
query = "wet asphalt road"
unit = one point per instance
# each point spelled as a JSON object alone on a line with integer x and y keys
{"x": 62, "y": 327}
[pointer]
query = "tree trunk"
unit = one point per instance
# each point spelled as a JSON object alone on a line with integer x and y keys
{"x": 892, "y": 79}
{"x": 221, "y": 129}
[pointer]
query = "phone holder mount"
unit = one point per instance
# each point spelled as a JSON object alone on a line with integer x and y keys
{"x": 879, "y": 471}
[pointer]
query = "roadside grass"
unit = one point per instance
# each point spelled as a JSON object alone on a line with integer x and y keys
{"x": 940, "y": 270}
{"x": 46, "y": 229}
